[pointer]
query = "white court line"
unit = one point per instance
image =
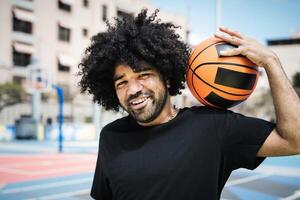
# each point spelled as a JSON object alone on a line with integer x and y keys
{"x": 278, "y": 170}
{"x": 44, "y": 148}
{"x": 49, "y": 162}
{"x": 2, "y": 186}
{"x": 45, "y": 171}
{"x": 45, "y": 186}
{"x": 294, "y": 196}
{"x": 247, "y": 179}
{"x": 16, "y": 171}
{"x": 61, "y": 195}
{"x": 43, "y": 154}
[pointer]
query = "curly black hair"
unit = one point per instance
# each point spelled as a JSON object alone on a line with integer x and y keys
{"x": 130, "y": 41}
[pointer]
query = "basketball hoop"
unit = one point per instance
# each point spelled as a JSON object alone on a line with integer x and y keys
{"x": 37, "y": 80}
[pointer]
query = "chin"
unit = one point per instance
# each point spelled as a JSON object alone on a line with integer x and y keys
{"x": 147, "y": 119}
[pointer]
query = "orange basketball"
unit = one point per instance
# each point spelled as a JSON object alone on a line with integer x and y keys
{"x": 220, "y": 81}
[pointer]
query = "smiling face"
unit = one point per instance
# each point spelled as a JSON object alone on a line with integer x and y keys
{"x": 143, "y": 94}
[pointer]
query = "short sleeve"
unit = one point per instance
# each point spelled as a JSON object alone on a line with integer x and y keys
{"x": 100, "y": 187}
{"x": 241, "y": 138}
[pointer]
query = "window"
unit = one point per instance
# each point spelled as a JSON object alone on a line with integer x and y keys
{"x": 22, "y": 53}
{"x": 63, "y": 68}
{"x": 85, "y": 32}
{"x": 65, "y": 62}
{"x": 283, "y": 41}
{"x": 85, "y": 3}
{"x": 64, "y": 34}
{"x": 64, "y": 6}
{"x": 104, "y": 13}
{"x": 20, "y": 58}
{"x": 22, "y": 21}
{"x": 22, "y": 26}
{"x": 121, "y": 14}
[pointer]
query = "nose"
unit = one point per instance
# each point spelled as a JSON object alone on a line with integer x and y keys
{"x": 134, "y": 86}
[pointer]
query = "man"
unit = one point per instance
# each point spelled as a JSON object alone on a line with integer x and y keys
{"x": 161, "y": 152}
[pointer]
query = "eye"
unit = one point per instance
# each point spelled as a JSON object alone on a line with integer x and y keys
{"x": 120, "y": 84}
{"x": 145, "y": 75}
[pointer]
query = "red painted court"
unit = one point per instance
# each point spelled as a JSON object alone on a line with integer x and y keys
{"x": 17, "y": 168}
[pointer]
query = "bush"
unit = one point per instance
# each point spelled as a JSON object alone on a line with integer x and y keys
{"x": 10, "y": 93}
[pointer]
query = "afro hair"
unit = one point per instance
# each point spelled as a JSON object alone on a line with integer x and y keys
{"x": 129, "y": 41}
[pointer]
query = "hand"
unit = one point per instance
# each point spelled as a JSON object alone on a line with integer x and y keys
{"x": 247, "y": 46}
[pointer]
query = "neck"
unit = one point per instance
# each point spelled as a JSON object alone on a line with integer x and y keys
{"x": 168, "y": 112}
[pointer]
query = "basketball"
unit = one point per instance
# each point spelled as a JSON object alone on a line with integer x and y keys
{"x": 220, "y": 81}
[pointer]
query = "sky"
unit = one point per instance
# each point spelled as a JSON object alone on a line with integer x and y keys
{"x": 261, "y": 19}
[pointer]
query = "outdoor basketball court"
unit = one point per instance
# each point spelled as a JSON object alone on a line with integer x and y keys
{"x": 68, "y": 176}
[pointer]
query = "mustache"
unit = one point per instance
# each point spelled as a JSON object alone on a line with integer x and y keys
{"x": 138, "y": 94}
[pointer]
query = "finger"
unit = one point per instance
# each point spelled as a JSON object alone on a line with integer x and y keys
{"x": 253, "y": 58}
{"x": 228, "y": 38}
{"x": 231, "y": 32}
{"x": 231, "y": 52}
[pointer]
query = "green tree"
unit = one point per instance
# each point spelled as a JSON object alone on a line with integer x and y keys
{"x": 10, "y": 93}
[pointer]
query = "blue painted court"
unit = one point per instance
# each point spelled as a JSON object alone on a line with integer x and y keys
{"x": 276, "y": 178}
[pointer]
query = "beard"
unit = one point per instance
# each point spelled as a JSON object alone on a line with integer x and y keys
{"x": 156, "y": 102}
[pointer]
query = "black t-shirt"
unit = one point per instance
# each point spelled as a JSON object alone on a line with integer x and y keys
{"x": 187, "y": 158}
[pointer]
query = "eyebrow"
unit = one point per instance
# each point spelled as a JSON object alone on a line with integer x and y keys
{"x": 118, "y": 77}
{"x": 115, "y": 78}
{"x": 143, "y": 69}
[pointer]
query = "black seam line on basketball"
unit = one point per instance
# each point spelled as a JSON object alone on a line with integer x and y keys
{"x": 197, "y": 92}
{"x": 225, "y": 63}
{"x": 241, "y": 95}
{"x": 204, "y": 50}
{"x": 220, "y": 101}
{"x": 228, "y": 63}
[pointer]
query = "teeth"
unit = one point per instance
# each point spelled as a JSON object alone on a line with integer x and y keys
{"x": 138, "y": 101}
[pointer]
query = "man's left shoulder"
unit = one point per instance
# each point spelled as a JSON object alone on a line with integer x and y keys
{"x": 205, "y": 110}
